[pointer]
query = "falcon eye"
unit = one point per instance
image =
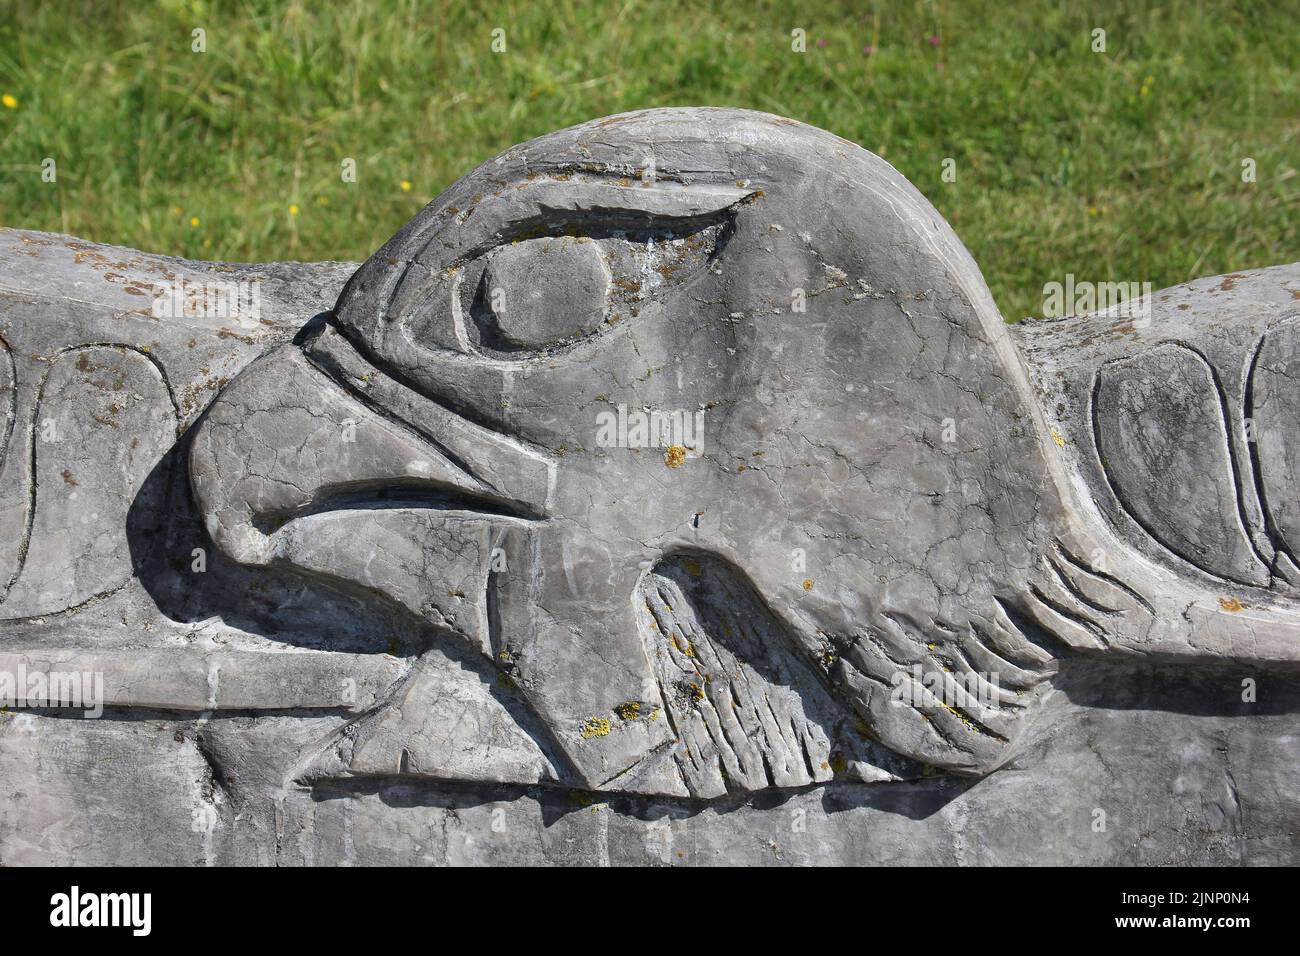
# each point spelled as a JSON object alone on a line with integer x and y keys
{"x": 541, "y": 291}
{"x": 548, "y": 293}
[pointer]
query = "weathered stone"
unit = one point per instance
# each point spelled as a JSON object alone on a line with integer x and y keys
{"x": 523, "y": 281}
{"x": 668, "y": 490}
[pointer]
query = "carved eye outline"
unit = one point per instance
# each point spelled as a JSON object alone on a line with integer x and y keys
{"x": 534, "y": 294}
{"x": 427, "y": 318}
{"x": 541, "y": 296}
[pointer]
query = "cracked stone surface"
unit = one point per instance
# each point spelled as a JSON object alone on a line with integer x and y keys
{"x": 415, "y": 565}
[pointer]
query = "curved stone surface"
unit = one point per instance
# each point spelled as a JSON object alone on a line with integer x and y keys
{"x": 15, "y": 497}
{"x": 103, "y": 420}
{"x": 1163, "y": 442}
{"x": 1275, "y": 408}
{"x": 8, "y": 398}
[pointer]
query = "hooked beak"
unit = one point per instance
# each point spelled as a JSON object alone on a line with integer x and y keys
{"x": 315, "y": 458}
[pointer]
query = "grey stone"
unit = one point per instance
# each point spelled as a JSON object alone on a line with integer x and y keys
{"x": 526, "y": 279}
{"x": 669, "y": 490}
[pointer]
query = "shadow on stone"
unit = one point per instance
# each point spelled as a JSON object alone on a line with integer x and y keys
{"x": 275, "y": 603}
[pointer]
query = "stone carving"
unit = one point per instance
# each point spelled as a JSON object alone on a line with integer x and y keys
{"x": 671, "y": 459}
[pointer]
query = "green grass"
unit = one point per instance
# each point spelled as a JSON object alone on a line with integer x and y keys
{"x": 1117, "y": 166}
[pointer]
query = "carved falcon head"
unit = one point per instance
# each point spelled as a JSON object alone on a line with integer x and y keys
{"x": 702, "y": 425}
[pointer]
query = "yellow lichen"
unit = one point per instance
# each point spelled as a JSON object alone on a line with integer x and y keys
{"x": 1058, "y": 438}
{"x": 675, "y": 456}
{"x": 596, "y": 727}
{"x": 807, "y": 584}
{"x": 629, "y": 711}
{"x": 1231, "y": 604}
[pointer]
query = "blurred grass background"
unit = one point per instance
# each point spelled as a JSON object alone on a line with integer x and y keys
{"x": 1116, "y": 166}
